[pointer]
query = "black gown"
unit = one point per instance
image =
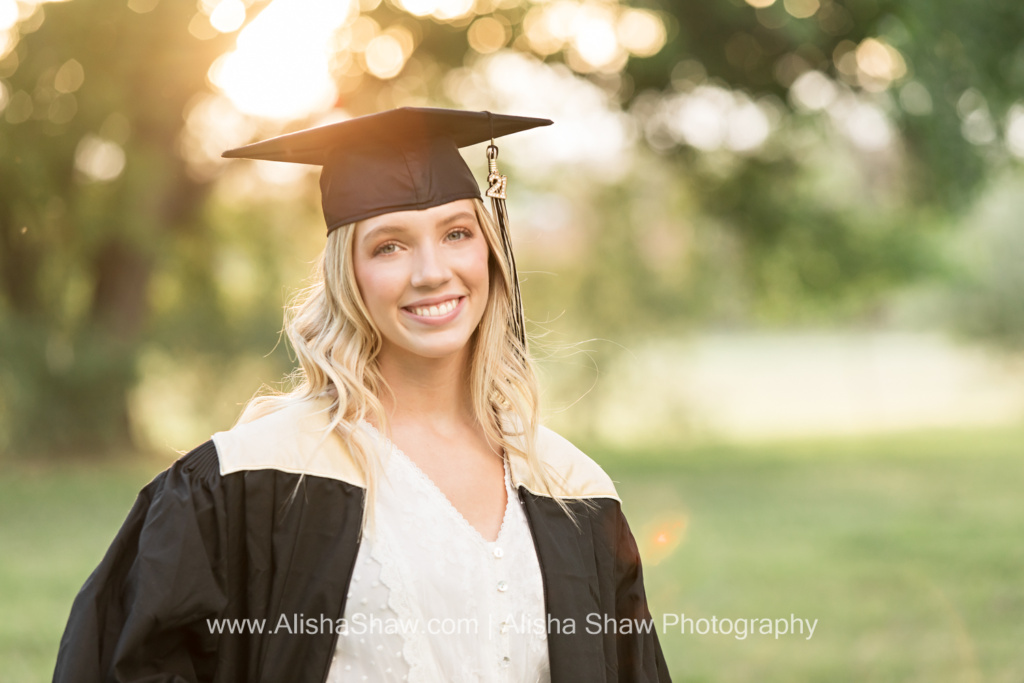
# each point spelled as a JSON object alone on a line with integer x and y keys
{"x": 262, "y": 523}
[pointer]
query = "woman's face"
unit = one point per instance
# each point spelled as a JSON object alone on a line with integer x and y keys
{"x": 424, "y": 278}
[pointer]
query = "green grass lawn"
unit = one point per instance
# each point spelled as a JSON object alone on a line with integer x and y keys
{"x": 909, "y": 551}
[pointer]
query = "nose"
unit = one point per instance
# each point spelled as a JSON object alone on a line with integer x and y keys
{"x": 430, "y": 269}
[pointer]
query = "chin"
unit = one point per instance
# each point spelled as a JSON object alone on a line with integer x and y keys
{"x": 435, "y": 349}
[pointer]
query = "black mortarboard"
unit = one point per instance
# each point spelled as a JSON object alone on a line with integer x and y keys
{"x": 400, "y": 160}
{"x": 397, "y": 160}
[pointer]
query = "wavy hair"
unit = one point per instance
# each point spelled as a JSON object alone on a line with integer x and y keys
{"x": 337, "y": 344}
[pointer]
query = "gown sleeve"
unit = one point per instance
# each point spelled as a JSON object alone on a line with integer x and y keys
{"x": 640, "y": 658}
{"x": 141, "y": 615}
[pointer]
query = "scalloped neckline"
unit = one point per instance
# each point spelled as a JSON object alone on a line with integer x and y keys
{"x": 440, "y": 495}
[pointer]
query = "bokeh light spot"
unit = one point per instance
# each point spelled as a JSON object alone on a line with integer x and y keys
{"x": 594, "y": 36}
{"x": 384, "y": 56}
{"x": 70, "y": 77}
{"x": 213, "y": 123}
{"x": 1015, "y": 130}
{"x": 978, "y": 128}
{"x": 802, "y": 9}
{"x": 915, "y": 99}
{"x": 419, "y": 8}
{"x": 760, "y": 3}
{"x": 641, "y": 32}
{"x": 661, "y": 537}
{"x": 863, "y": 123}
{"x": 361, "y": 32}
{"x": 8, "y": 40}
{"x": 749, "y": 127}
{"x": 813, "y": 91}
{"x": 98, "y": 159}
{"x": 845, "y": 58}
{"x": 487, "y": 35}
{"x": 560, "y": 17}
{"x": 8, "y": 14}
{"x": 710, "y": 118}
{"x": 142, "y": 6}
{"x": 538, "y": 31}
{"x": 452, "y": 9}
{"x": 969, "y": 101}
{"x": 880, "y": 63}
{"x": 200, "y": 27}
{"x": 228, "y": 16}
{"x": 405, "y": 39}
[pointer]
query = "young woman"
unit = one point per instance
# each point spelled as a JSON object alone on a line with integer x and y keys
{"x": 400, "y": 515}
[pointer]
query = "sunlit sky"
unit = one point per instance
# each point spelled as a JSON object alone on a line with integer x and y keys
{"x": 280, "y": 66}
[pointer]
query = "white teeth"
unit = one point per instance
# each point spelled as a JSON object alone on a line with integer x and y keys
{"x": 437, "y": 310}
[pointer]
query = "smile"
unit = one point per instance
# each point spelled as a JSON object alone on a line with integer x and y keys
{"x": 435, "y": 311}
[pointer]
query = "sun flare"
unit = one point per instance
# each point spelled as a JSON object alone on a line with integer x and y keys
{"x": 280, "y": 67}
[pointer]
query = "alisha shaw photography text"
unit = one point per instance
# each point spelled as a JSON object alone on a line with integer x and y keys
{"x": 595, "y": 623}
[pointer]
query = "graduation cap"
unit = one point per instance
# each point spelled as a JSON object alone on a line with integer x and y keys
{"x": 401, "y": 160}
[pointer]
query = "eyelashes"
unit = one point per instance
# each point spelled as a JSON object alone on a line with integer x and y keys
{"x": 391, "y": 247}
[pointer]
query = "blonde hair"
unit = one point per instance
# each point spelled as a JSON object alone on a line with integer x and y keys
{"x": 336, "y": 342}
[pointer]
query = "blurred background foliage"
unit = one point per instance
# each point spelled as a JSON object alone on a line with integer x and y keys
{"x": 763, "y": 217}
{"x": 715, "y": 165}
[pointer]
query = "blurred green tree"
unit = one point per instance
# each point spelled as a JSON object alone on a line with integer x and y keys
{"x": 92, "y": 193}
{"x": 96, "y": 197}
{"x": 838, "y": 205}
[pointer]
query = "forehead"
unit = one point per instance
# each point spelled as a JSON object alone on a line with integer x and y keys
{"x": 435, "y": 216}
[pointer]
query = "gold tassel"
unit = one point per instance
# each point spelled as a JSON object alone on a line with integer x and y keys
{"x": 496, "y": 185}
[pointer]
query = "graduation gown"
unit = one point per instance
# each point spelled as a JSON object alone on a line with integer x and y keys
{"x": 261, "y": 523}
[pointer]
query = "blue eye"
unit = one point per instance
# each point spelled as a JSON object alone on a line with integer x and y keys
{"x": 386, "y": 248}
{"x": 462, "y": 232}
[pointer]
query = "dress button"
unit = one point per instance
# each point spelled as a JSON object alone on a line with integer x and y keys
{"x": 503, "y": 586}
{"x": 505, "y": 661}
{"x": 499, "y": 553}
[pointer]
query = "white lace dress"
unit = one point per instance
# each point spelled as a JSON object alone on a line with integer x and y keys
{"x": 431, "y": 601}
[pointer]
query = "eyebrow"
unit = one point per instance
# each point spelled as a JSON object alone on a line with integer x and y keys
{"x": 391, "y": 229}
{"x": 455, "y": 218}
{"x": 382, "y": 230}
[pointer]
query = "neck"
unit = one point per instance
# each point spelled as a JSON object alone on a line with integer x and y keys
{"x": 431, "y": 390}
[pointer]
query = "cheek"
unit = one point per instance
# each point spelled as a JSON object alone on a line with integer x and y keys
{"x": 373, "y": 286}
{"x": 361, "y": 277}
{"x": 478, "y": 266}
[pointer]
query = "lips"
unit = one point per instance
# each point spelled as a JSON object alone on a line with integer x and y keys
{"x": 434, "y": 309}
